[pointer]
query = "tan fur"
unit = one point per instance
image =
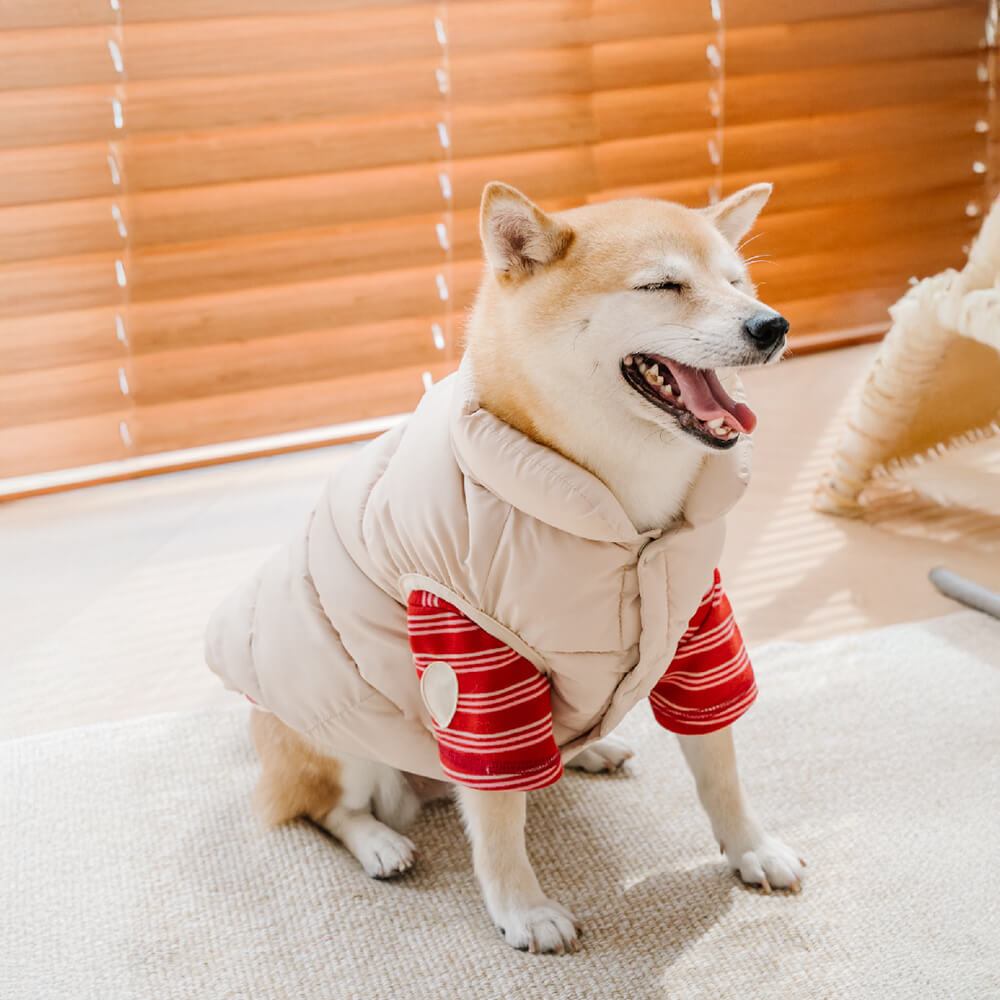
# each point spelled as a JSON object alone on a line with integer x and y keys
{"x": 295, "y": 779}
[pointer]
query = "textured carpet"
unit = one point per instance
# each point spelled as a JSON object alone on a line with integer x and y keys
{"x": 132, "y": 866}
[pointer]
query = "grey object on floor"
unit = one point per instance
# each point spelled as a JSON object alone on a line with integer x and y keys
{"x": 967, "y": 592}
{"x": 133, "y": 867}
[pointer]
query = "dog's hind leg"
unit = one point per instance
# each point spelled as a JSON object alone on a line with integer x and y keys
{"x": 759, "y": 858}
{"x": 527, "y": 919}
{"x": 358, "y": 801}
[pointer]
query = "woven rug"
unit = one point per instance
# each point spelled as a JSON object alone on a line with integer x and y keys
{"x": 132, "y": 866}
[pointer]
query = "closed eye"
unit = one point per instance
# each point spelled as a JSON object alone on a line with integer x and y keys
{"x": 662, "y": 286}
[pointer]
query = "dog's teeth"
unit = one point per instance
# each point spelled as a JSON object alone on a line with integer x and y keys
{"x": 653, "y": 370}
{"x": 667, "y": 390}
{"x": 716, "y": 423}
{"x": 679, "y": 398}
{"x": 642, "y": 367}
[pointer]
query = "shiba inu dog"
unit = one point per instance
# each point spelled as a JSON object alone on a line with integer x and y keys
{"x": 601, "y": 362}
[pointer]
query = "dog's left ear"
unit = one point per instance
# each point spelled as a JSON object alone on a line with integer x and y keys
{"x": 518, "y": 237}
{"x": 735, "y": 215}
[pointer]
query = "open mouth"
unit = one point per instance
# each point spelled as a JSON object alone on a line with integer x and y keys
{"x": 694, "y": 397}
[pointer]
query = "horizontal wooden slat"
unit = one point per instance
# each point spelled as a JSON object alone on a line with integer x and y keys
{"x": 747, "y": 13}
{"x": 920, "y": 254}
{"x": 56, "y": 173}
{"x": 61, "y": 57}
{"x": 839, "y": 310}
{"x": 865, "y": 222}
{"x": 57, "y": 339}
{"x": 49, "y": 117}
{"x": 22, "y": 15}
{"x": 62, "y": 444}
{"x": 168, "y": 10}
{"x": 60, "y": 228}
{"x": 61, "y": 393}
{"x": 60, "y": 284}
{"x": 16, "y": 14}
{"x": 61, "y": 13}
{"x": 233, "y": 416}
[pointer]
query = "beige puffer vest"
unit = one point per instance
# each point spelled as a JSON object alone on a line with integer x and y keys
{"x": 531, "y": 546}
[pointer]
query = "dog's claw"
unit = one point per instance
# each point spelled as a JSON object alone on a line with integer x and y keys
{"x": 766, "y": 886}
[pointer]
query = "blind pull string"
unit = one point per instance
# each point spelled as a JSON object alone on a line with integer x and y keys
{"x": 115, "y": 44}
{"x": 442, "y": 228}
{"x": 715, "y": 54}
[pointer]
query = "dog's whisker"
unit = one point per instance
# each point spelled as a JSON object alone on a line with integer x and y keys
{"x": 749, "y": 239}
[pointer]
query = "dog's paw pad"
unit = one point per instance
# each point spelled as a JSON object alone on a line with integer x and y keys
{"x": 605, "y": 755}
{"x": 769, "y": 863}
{"x": 386, "y": 854}
{"x": 548, "y": 927}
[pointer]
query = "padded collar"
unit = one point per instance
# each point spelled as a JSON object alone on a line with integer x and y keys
{"x": 542, "y": 483}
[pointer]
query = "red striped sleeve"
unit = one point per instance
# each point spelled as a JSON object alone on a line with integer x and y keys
{"x": 500, "y": 736}
{"x": 709, "y": 683}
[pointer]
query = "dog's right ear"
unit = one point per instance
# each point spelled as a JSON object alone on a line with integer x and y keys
{"x": 518, "y": 237}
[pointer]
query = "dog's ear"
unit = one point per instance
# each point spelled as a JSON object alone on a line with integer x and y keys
{"x": 518, "y": 237}
{"x": 734, "y": 216}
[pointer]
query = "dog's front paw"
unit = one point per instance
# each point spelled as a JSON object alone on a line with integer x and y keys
{"x": 546, "y": 927}
{"x": 386, "y": 853}
{"x": 605, "y": 755}
{"x": 767, "y": 862}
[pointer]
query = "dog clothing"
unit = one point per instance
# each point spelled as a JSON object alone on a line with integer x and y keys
{"x": 490, "y": 706}
{"x": 465, "y": 603}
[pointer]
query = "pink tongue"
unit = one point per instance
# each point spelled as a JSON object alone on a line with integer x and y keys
{"x": 704, "y": 396}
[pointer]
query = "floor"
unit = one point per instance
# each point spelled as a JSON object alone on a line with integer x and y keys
{"x": 105, "y": 591}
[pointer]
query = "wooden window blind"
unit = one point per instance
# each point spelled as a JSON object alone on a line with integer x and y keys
{"x": 226, "y": 220}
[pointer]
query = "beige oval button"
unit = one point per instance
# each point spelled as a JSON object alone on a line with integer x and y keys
{"x": 439, "y": 690}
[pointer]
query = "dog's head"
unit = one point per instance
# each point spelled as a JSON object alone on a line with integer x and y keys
{"x": 633, "y": 304}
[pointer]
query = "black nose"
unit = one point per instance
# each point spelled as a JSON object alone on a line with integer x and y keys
{"x": 766, "y": 329}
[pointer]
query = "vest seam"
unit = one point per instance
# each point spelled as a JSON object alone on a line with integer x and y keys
{"x": 496, "y": 548}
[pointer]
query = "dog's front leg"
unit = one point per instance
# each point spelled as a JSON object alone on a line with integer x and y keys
{"x": 526, "y": 917}
{"x": 759, "y": 858}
